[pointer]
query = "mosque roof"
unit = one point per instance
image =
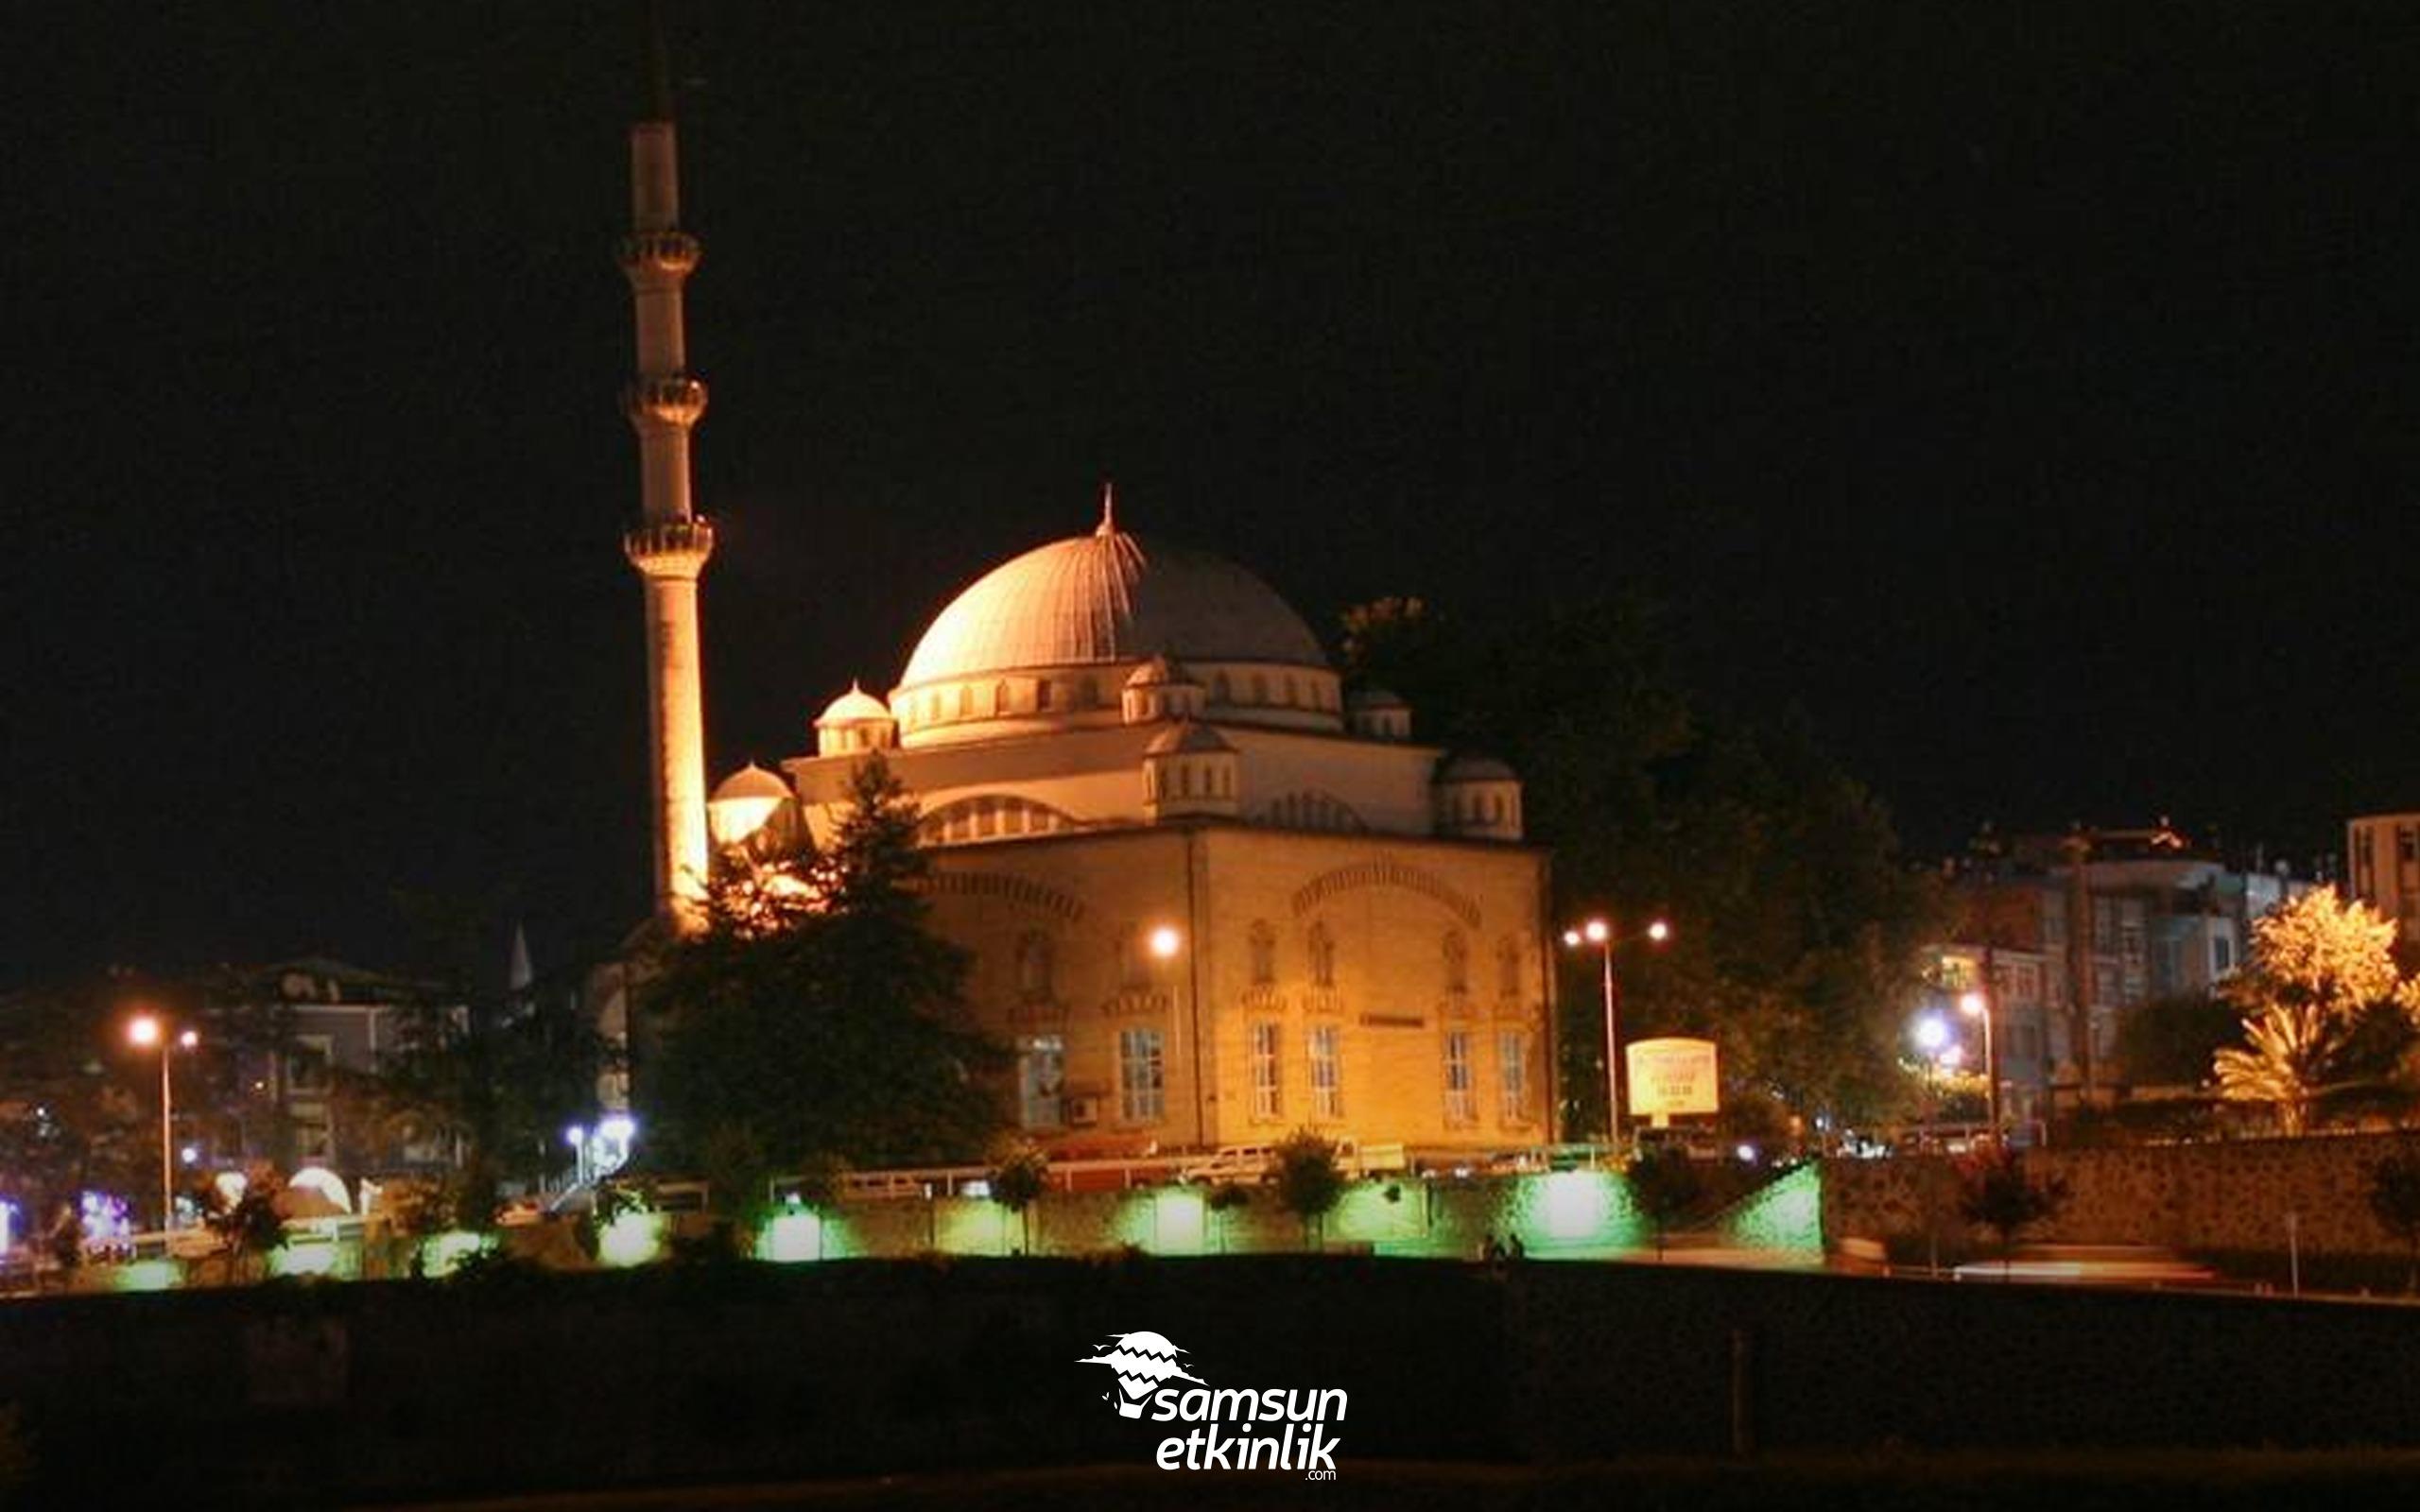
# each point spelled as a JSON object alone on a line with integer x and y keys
{"x": 1110, "y": 597}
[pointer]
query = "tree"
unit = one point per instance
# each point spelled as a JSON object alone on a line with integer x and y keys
{"x": 823, "y": 1017}
{"x": 1020, "y": 1175}
{"x": 1308, "y": 1178}
{"x": 2172, "y": 1042}
{"x": 1664, "y": 1184}
{"x": 1797, "y": 924}
{"x": 2322, "y": 1000}
{"x": 1996, "y": 1190}
{"x": 2395, "y": 1198}
{"x": 76, "y": 1112}
{"x": 247, "y": 1226}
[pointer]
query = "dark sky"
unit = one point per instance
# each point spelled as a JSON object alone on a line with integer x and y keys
{"x": 2029, "y": 392}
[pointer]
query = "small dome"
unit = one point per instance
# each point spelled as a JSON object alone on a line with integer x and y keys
{"x": 1185, "y": 738}
{"x": 1159, "y": 672}
{"x": 855, "y": 707}
{"x": 1470, "y": 768}
{"x": 751, "y": 782}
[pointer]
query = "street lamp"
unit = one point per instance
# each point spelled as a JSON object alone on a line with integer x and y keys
{"x": 1599, "y": 933}
{"x": 1978, "y": 1004}
{"x": 146, "y": 1031}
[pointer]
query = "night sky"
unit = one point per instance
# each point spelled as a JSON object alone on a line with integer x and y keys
{"x": 2026, "y": 393}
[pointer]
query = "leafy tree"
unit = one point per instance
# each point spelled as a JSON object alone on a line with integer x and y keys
{"x": 1308, "y": 1178}
{"x": 2321, "y": 996}
{"x": 1020, "y": 1175}
{"x": 78, "y": 1112}
{"x": 2395, "y": 1198}
{"x": 2172, "y": 1041}
{"x": 247, "y": 1227}
{"x": 1664, "y": 1184}
{"x": 824, "y": 1016}
{"x": 1996, "y": 1190}
{"x": 1796, "y": 922}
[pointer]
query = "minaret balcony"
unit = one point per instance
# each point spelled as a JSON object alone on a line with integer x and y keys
{"x": 669, "y": 548}
{"x": 678, "y": 400}
{"x": 659, "y": 253}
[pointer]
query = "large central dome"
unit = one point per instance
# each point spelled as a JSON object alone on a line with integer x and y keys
{"x": 1104, "y": 598}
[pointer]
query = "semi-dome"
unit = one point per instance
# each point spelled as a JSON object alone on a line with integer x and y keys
{"x": 1110, "y": 597}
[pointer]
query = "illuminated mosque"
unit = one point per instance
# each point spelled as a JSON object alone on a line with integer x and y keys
{"x": 1210, "y": 896}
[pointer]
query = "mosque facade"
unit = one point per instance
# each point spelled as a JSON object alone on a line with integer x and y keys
{"x": 1210, "y": 896}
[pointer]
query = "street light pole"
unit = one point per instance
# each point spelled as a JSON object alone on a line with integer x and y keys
{"x": 148, "y": 1031}
{"x": 1978, "y": 1004}
{"x": 1599, "y": 933}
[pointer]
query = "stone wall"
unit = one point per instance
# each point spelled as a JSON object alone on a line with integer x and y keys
{"x": 2230, "y": 1197}
{"x": 312, "y": 1395}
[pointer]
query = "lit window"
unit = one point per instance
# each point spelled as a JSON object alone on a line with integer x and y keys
{"x": 1141, "y": 1091}
{"x": 1461, "y": 1107}
{"x": 1264, "y": 1070}
{"x": 1041, "y": 1069}
{"x": 1327, "y": 1072}
{"x": 1512, "y": 1073}
{"x": 308, "y": 1064}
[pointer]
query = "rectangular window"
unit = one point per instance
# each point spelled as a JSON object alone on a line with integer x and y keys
{"x": 2222, "y": 954}
{"x": 1042, "y": 1070}
{"x": 1461, "y": 1107}
{"x": 1264, "y": 1070}
{"x": 1512, "y": 1073}
{"x": 309, "y": 1064}
{"x": 1141, "y": 1091}
{"x": 1327, "y": 1072}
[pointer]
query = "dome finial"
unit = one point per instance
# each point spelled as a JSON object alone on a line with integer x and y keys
{"x": 1108, "y": 525}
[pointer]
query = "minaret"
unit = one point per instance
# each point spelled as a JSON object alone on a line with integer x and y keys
{"x": 670, "y": 544}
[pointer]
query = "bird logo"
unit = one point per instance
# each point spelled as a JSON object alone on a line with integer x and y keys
{"x": 1143, "y": 1360}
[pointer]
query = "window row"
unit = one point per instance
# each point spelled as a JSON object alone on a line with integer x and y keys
{"x": 1036, "y": 962}
{"x": 1009, "y": 697}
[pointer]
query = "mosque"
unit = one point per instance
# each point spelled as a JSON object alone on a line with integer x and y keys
{"x": 1210, "y": 896}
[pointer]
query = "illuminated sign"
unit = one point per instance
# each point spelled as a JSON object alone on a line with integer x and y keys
{"x": 1669, "y": 1076}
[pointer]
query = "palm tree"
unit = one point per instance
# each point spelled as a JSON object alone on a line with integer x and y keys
{"x": 2291, "y": 1049}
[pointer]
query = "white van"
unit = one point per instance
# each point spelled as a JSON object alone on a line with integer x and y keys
{"x": 1250, "y": 1162}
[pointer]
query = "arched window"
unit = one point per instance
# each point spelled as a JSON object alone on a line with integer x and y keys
{"x": 1041, "y": 693}
{"x": 1220, "y": 690}
{"x": 1259, "y": 687}
{"x": 966, "y": 701}
{"x": 1323, "y": 953}
{"x": 1000, "y": 696}
{"x": 1263, "y": 953}
{"x": 1034, "y": 964}
{"x": 1457, "y": 962}
{"x": 1508, "y": 968}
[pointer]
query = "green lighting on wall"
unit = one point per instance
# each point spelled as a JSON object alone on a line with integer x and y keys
{"x": 630, "y": 1239}
{"x": 440, "y": 1253}
{"x": 792, "y": 1237}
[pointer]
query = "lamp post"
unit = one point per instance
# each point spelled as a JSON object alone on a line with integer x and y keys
{"x": 1599, "y": 933}
{"x": 1978, "y": 1004}
{"x": 148, "y": 1032}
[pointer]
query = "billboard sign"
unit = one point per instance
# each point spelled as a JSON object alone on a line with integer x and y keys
{"x": 1670, "y": 1077}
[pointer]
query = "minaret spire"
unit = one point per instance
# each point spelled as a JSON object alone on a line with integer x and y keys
{"x": 670, "y": 544}
{"x": 1108, "y": 525}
